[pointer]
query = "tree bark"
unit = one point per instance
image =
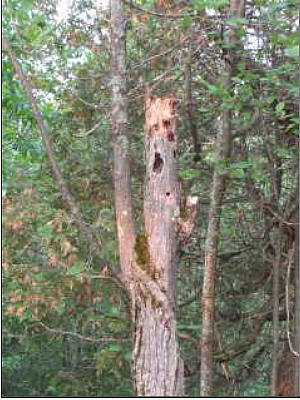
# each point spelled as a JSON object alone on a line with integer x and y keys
{"x": 158, "y": 368}
{"x": 121, "y": 173}
{"x": 218, "y": 188}
{"x": 190, "y": 112}
{"x": 148, "y": 259}
{"x": 297, "y": 317}
{"x": 211, "y": 251}
{"x": 276, "y": 326}
{"x": 297, "y": 301}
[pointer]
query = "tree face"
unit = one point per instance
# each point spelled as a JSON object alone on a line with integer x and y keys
{"x": 116, "y": 124}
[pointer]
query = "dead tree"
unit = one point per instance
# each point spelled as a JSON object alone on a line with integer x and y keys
{"x": 158, "y": 368}
{"x": 147, "y": 259}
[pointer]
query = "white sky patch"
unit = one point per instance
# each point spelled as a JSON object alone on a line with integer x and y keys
{"x": 63, "y": 9}
{"x": 64, "y": 6}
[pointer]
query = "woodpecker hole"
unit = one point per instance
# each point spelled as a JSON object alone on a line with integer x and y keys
{"x": 171, "y": 137}
{"x": 168, "y": 194}
{"x": 158, "y": 163}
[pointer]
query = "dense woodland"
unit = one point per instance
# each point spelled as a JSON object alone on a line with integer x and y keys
{"x": 150, "y": 198}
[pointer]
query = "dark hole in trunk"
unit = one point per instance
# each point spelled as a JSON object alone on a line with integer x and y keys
{"x": 171, "y": 137}
{"x": 158, "y": 163}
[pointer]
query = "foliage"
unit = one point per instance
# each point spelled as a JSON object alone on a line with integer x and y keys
{"x": 55, "y": 292}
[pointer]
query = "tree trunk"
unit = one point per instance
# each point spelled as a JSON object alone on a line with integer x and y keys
{"x": 297, "y": 300}
{"x": 276, "y": 325}
{"x": 123, "y": 200}
{"x": 211, "y": 248}
{"x": 148, "y": 259}
{"x": 190, "y": 111}
{"x": 158, "y": 369}
{"x": 297, "y": 312}
{"x": 218, "y": 187}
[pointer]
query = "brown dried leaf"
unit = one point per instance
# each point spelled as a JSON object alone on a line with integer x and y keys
{"x": 53, "y": 259}
{"x": 66, "y": 247}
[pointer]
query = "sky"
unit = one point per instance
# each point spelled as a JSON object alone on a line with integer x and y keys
{"x": 63, "y": 7}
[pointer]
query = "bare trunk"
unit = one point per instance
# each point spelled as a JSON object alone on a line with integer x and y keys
{"x": 190, "y": 112}
{"x": 276, "y": 327}
{"x": 123, "y": 201}
{"x": 148, "y": 259}
{"x": 297, "y": 313}
{"x": 211, "y": 247}
{"x": 158, "y": 367}
{"x": 297, "y": 301}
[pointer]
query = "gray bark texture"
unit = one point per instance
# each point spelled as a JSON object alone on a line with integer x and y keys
{"x": 190, "y": 109}
{"x": 276, "y": 325}
{"x": 158, "y": 368}
{"x": 147, "y": 259}
{"x": 123, "y": 200}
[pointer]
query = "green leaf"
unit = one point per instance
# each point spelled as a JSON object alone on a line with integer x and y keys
{"x": 214, "y": 4}
{"x": 191, "y": 327}
{"x": 128, "y": 356}
{"x": 292, "y": 52}
{"x": 190, "y": 173}
{"x": 279, "y": 108}
{"x": 40, "y": 276}
{"x": 76, "y": 268}
{"x": 235, "y": 21}
{"x": 186, "y": 21}
{"x": 115, "y": 348}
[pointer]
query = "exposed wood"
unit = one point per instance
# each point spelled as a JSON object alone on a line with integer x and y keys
{"x": 158, "y": 368}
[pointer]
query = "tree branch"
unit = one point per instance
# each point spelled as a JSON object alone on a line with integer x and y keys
{"x": 84, "y": 228}
{"x": 81, "y": 337}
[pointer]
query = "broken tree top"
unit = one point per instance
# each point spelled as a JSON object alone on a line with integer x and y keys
{"x": 161, "y": 116}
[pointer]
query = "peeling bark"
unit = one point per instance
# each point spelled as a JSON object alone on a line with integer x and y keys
{"x": 158, "y": 368}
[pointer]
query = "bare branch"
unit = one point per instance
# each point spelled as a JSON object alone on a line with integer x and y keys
{"x": 87, "y": 133}
{"x": 81, "y": 337}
